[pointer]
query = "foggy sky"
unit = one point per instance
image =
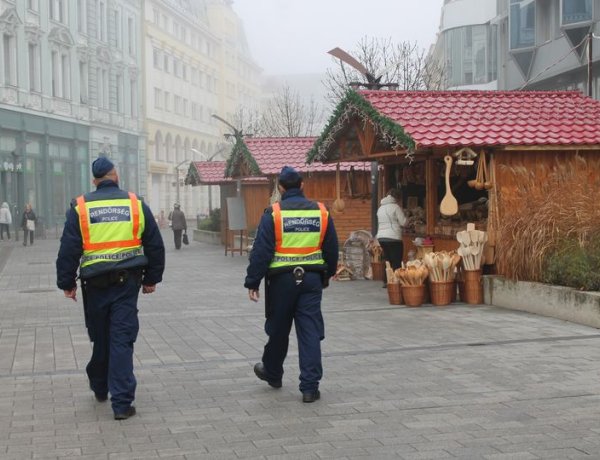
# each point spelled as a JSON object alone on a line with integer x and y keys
{"x": 293, "y": 36}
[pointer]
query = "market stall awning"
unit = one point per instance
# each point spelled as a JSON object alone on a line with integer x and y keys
{"x": 265, "y": 156}
{"x": 371, "y": 124}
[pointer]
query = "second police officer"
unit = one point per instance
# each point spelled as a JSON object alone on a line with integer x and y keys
{"x": 296, "y": 252}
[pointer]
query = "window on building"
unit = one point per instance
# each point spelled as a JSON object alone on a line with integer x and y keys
{"x": 131, "y": 36}
{"x": 194, "y": 76}
{"x": 10, "y": 59}
{"x": 166, "y": 60}
{"x": 57, "y": 10}
{"x": 156, "y": 58}
{"x": 118, "y": 29}
{"x": 34, "y": 66}
{"x": 184, "y": 71}
{"x": 185, "y": 108}
{"x": 133, "y": 91}
{"x": 158, "y": 98}
{"x": 167, "y": 101}
{"x": 194, "y": 111}
{"x": 82, "y": 16}
{"x": 522, "y": 24}
{"x": 576, "y": 11}
{"x": 156, "y": 16}
{"x": 165, "y": 22}
{"x": 65, "y": 70}
{"x": 176, "y": 104}
{"x": 83, "y": 82}
{"x": 56, "y": 84}
{"x": 101, "y": 20}
{"x": 119, "y": 92}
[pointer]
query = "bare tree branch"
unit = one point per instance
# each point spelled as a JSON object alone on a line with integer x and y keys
{"x": 403, "y": 63}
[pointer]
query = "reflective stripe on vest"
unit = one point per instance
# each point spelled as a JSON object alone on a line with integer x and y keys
{"x": 299, "y": 235}
{"x": 110, "y": 229}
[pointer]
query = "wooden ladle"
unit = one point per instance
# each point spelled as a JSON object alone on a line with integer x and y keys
{"x": 449, "y": 205}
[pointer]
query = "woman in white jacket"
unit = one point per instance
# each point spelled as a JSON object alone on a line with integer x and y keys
{"x": 5, "y": 220}
{"x": 390, "y": 220}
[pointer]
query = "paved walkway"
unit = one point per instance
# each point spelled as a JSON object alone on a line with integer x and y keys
{"x": 411, "y": 383}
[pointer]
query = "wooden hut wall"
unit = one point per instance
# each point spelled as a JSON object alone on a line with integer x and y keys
{"x": 256, "y": 199}
{"x": 357, "y": 210}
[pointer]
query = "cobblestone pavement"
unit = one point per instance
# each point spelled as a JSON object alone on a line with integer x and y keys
{"x": 410, "y": 383}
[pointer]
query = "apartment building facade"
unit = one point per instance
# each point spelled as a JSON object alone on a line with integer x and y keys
{"x": 197, "y": 64}
{"x": 67, "y": 66}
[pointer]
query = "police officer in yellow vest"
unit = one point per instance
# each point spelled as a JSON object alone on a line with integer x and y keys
{"x": 112, "y": 237}
{"x": 296, "y": 251}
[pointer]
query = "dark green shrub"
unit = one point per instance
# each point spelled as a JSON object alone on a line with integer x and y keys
{"x": 574, "y": 265}
{"x": 213, "y": 222}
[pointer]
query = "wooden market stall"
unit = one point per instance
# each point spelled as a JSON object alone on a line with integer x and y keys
{"x": 254, "y": 191}
{"x": 254, "y": 157}
{"x": 410, "y": 133}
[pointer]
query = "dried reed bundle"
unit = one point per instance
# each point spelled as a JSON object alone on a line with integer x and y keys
{"x": 540, "y": 207}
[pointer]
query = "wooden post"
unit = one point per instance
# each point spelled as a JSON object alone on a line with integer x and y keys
{"x": 431, "y": 195}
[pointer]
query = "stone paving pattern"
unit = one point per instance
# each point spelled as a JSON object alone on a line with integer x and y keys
{"x": 409, "y": 383}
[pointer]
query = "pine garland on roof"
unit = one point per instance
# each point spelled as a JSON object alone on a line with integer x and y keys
{"x": 193, "y": 177}
{"x": 240, "y": 154}
{"x": 353, "y": 105}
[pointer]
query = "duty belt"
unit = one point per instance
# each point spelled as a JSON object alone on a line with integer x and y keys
{"x": 112, "y": 257}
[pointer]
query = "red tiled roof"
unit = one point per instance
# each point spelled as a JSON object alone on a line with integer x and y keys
{"x": 480, "y": 118}
{"x": 213, "y": 173}
{"x": 273, "y": 153}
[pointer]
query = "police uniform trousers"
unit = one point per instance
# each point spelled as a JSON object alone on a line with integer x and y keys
{"x": 300, "y": 303}
{"x": 112, "y": 321}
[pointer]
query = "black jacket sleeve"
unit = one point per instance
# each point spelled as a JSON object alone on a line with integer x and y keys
{"x": 330, "y": 248}
{"x": 262, "y": 252}
{"x": 154, "y": 249}
{"x": 69, "y": 253}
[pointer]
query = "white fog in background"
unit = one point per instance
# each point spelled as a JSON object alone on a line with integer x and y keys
{"x": 293, "y": 36}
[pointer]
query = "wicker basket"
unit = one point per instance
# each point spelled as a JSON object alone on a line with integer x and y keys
{"x": 394, "y": 293}
{"x": 441, "y": 292}
{"x": 413, "y": 295}
{"x": 377, "y": 269}
{"x": 473, "y": 287}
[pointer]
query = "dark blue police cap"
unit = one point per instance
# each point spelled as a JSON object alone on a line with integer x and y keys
{"x": 101, "y": 167}
{"x": 289, "y": 175}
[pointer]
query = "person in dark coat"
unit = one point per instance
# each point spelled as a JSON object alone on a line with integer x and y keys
{"x": 178, "y": 224}
{"x": 296, "y": 252}
{"x": 28, "y": 224}
{"x": 111, "y": 236}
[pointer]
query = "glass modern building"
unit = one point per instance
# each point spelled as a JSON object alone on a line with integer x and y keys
{"x": 466, "y": 46}
{"x": 543, "y": 44}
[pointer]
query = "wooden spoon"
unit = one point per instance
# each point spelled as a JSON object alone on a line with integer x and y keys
{"x": 449, "y": 205}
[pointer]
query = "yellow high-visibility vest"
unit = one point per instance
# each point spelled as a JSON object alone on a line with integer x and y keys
{"x": 299, "y": 236}
{"x": 111, "y": 230}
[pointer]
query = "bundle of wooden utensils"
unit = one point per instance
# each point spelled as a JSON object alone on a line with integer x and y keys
{"x": 414, "y": 274}
{"x": 471, "y": 247}
{"x": 441, "y": 265}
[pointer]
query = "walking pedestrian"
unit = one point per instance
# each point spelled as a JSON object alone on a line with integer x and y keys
{"x": 112, "y": 237}
{"x": 390, "y": 220}
{"x": 296, "y": 251}
{"x": 178, "y": 224}
{"x": 28, "y": 224}
{"x": 5, "y": 220}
